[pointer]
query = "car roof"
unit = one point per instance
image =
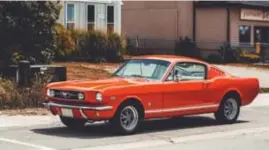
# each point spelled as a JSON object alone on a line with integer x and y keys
{"x": 170, "y": 58}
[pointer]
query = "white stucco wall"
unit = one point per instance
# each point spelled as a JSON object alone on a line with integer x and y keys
{"x": 100, "y": 14}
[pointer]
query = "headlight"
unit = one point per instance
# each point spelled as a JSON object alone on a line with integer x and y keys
{"x": 50, "y": 93}
{"x": 99, "y": 97}
{"x": 80, "y": 96}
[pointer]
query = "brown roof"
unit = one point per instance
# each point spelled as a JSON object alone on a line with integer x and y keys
{"x": 246, "y": 4}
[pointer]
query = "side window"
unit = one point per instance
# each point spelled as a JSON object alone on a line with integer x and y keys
{"x": 70, "y": 14}
{"x": 91, "y": 17}
{"x": 244, "y": 34}
{"x": 187, "y": 71}
{"x": 110, "y": 19}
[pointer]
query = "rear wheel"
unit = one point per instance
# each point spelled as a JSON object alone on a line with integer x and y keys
{"x": 126, "y": 119}
{"x": 72, "y": 122}
{"x": 229, "y": 110}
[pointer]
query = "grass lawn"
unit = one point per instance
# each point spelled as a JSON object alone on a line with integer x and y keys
{"x": 83, "y": 70}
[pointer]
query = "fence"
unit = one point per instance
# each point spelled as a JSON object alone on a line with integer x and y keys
{"x": 24, "y": 72}
{"x": 140, "y": 46}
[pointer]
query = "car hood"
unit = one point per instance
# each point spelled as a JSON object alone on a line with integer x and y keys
{"x": 96, "y": 85}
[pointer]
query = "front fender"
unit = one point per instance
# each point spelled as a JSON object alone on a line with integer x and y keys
{"x": 122, "y": 99}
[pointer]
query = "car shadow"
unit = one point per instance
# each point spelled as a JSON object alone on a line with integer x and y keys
{"x": 104, "y": 130}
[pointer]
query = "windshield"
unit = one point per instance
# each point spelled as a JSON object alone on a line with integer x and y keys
{"x": 143, "y": 68}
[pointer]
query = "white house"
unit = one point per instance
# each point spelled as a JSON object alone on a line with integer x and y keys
{"x": 92, "y": 14}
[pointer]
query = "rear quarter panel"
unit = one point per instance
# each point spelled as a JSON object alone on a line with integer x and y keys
{"x": 247, "y": 88}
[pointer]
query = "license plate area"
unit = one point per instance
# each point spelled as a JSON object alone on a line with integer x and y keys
{"x": 67, "y": 112}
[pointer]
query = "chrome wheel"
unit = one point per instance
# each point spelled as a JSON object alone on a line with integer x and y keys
{"x": 129, "y": 118}
{"x": 230, "y": 108}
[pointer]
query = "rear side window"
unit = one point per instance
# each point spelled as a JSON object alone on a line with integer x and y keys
{"x": 187, "y": 71}
{"x": 215, "y": 72}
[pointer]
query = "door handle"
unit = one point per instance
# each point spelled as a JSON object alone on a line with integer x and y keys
{"x": 206, "y": 84}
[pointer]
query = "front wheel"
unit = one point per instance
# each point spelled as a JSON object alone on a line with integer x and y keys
{"x": 72, "y": 122}
{"x": 229, "y": 110}
{"x": 126, "y": 119}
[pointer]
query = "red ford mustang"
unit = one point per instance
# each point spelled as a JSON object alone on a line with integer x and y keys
{"x": 153, "y": 86}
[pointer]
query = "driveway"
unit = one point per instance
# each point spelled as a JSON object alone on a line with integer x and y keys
{"x": 261, "y": 74}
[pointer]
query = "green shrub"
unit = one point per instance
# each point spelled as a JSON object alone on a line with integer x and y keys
{"x": 93, "y": 46}
{"x": 65, "y": 44}
{"x": 98, "y": 46}
{"x": 114, "y": 48}
{"x": 228, "y": 54}
{"x": 214, "y": 58}
{"x": 247, "y": 57}
{"x": 186, "y": 47}
{"x": 97, "y": 43}
{"x": 124, "y": 45}
{"x": 130, "y": 49}
{"x": 12, "y": 96}
{"x": 80, "y": 38}
{"x": 27, "y": 28}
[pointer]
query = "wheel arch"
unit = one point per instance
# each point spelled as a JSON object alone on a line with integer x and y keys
{"x": 235, "y": 93}
{"x": 133, "y": 100}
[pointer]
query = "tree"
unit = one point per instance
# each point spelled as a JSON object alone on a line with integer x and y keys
{"x": 27, "y": 30}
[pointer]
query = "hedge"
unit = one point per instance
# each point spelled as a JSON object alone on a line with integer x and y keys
{"x": 92, "y": 46}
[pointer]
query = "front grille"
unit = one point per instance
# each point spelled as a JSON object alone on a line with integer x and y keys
{"x": 65, "y": 94}
{"x": 77, "y": 103}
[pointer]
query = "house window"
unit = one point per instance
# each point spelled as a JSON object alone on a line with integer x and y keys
{"x": 70, "y": 23}
{"x": 110, "y": 19}
{"x": 244, "y": 34}
{"x": 91, "y": 18}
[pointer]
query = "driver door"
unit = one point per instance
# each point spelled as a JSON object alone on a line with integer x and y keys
{"x": 184, "y": 87}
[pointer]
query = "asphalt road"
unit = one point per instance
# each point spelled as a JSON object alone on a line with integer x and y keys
{"x": 251, "y": 141}
{"x": 188, "y": 133}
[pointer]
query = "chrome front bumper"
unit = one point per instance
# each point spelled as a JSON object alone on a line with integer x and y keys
{"x": 48, "y": 105}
